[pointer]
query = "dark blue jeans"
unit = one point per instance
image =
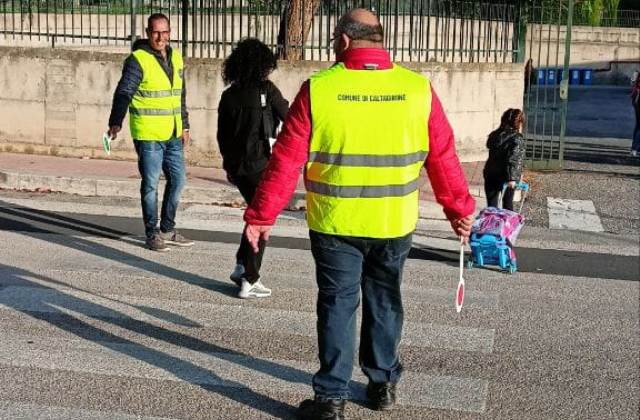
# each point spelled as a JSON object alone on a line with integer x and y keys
{"x": 345, "y": 267}
{"x": 153, "y": 157}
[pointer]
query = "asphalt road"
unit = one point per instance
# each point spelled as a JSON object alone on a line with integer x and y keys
{"x": 94, "y": 326}
{"x": 592, "y": 112}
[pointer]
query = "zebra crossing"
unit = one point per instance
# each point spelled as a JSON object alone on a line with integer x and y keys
{"x": 94, "y": 326}
{"x": 108, "y": 285}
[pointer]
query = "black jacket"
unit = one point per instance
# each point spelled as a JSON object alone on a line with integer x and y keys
{"x": 243, "y": 134}
{"x": 506, "y": 155}
{"x": 131, "y": 79}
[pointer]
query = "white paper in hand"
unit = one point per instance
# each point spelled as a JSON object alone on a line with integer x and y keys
{"x": 106, "y": 143}
{"x": 272, "y": 140}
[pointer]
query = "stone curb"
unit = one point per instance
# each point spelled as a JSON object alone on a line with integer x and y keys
{"x": 101, "y": 187}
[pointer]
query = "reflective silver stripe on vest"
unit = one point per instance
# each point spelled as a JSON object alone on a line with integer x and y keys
{"x": 340, "y": 159}
{"x": 153, "y": 111}
{"x": 363, "y": 191}
{"x": 158, "y": 93}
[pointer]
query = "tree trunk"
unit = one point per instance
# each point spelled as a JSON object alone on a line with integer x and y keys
{"x": 295, "y": 24}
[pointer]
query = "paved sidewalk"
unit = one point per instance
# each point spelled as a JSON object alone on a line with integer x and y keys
{"x": 112, "y": 178}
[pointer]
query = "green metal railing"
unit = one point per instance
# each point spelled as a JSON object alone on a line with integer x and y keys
{"x": 548, "y": 49}
{"x": 415, "y": 30}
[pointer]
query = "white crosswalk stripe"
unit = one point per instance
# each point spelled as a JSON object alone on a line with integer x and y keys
{"x": 173, "y": 363}
{"x": 233, "y": 317}
{"x": 573, "y": 214}
{"x": 17, "y": 411}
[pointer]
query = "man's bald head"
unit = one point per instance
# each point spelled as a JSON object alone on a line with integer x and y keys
{"x": 360, "y": 25}
{"x": 363, "y": 16}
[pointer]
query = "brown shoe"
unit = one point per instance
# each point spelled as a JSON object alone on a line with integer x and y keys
{"x": 156, "y": 243}
{"x": 176, "y": 239}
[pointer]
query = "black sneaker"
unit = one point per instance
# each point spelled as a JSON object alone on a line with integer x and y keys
{"x": 176, "y": 239}
{"x": 321, "y": 410}
{"x": 382, "y": 396}
{"x": 156, "y": 243}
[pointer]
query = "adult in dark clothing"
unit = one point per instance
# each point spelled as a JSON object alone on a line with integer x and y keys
{"x": 506, "y": 154}
{"x": 248, "y": 113}
{"x": 152, "y": 89}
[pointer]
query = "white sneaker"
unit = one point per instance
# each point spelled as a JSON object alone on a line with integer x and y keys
{"x": 634, "y": 153}
{"x": 255, "y": 290}
{"x": 236, "y": 275}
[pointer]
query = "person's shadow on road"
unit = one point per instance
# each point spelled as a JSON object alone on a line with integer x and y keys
{"x": 64, "y": 231}
{"x": 28, "y": 293}
{"x": 48, "y": 301}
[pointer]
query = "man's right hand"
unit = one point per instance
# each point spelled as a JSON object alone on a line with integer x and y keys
{"x": 113, "y": 131}
{"x": 462, "y": 227}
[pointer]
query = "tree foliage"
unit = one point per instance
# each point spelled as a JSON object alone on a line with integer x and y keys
{"x": 586, "y": 12}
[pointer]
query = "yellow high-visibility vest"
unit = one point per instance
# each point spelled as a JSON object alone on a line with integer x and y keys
{"x": 369, "y": 141}
{"x": 155, "y": 110}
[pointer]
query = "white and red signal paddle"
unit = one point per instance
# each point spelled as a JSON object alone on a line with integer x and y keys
{"x": 460, "y": 289}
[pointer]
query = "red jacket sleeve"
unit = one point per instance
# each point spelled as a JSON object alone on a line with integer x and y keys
{"x": 443, "y": 167}
{"x": 290, "y": 153}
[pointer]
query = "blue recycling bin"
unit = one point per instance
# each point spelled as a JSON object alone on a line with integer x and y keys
{"x": 551, "y": 76}
{"x": 574, "y": 76}
{"x": 587, "y": 76}
{"x": 541, "y": 79}
{"x": 560, "y": 75}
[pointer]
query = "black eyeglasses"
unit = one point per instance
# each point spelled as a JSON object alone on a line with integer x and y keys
{"x": 164, "y": 33}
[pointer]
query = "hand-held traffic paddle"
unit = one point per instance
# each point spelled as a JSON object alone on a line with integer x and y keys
{"x": 460, "y": 289}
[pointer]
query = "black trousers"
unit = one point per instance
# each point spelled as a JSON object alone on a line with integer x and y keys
{"x": 493, "y": 190}
{"x": 247, "y": 185}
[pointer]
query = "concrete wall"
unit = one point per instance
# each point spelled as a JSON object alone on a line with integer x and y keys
{"x": 614, "y": 53}
{"x": 58, "y": 101}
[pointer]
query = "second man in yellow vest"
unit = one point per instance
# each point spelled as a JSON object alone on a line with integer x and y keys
{"x": 152, "y": 89}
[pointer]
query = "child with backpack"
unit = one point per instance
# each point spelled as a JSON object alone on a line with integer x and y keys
{"x": 506, "y": 156}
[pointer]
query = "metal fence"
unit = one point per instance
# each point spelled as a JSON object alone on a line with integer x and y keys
{"x": 621, "y": 18}
{"x": 415, "y": 30}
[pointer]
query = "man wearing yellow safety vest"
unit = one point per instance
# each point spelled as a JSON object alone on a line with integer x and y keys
{"x": 364, "y": 128}
{"x": 152, "y": 89}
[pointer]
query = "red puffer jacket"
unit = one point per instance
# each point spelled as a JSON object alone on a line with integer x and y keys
{"x": 291, "y": 152}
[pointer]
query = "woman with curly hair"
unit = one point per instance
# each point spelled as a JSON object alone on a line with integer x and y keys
{"x": 506, "y": 155}
{"x": 249, "y": 111}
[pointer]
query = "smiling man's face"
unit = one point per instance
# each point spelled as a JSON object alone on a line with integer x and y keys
{"x": 158, "y": 34}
